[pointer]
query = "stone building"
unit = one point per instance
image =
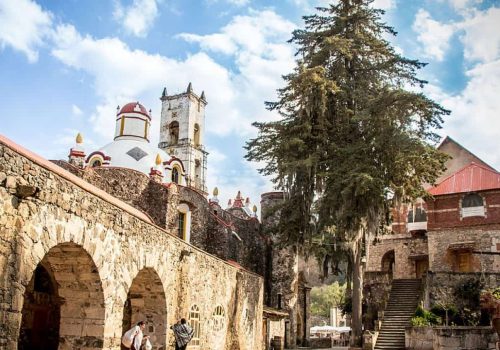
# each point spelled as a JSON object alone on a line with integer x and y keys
{"x": 91, "y": 245}
{"x": 440, "y": 243}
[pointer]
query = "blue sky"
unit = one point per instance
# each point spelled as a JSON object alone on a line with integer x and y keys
{"x": 66, "y": 65}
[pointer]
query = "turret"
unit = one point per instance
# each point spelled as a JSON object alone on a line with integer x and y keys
{"x": 77, "y": 153}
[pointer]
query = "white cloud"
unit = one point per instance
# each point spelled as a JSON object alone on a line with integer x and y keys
{"x": 463, "y": 4}
{"x": 474, "y": 119}
{"x": 433, "y": 35}
{"x": 231, "y": 2}
{"x": 235, "y": 98}
{"x": 481, "y": 37}
{"x": 138, "y": 17}
{"x": 76, "y": 110}
{"x": 23, "y": 26}
{"x": 384, "y": 4}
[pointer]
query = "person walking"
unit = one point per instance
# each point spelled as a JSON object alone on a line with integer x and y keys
{"x": 132, "y": 339}
{"x": 183, "y": 334}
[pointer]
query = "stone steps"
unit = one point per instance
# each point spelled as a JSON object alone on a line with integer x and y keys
{"x": 403, "y": 300}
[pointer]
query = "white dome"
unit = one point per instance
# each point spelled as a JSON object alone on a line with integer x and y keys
{"x": 134, "y": 154}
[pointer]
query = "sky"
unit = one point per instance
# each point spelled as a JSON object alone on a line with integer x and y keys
{"x": 66, "y": 65}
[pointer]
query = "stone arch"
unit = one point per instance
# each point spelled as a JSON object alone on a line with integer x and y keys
{"x": 64, "y": 300}
{"x": 146, "y": 302}
{"x": 388, "y": 261}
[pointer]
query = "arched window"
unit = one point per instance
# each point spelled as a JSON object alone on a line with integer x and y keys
{"x": 218, "y": 318}
{"x": 175, "y": 175}
{"x": 174, "y": 133}
{"x": 196, "y": 136}
{"x": 472, "y": 205}
{"x": 184, "y": 222}
{"x": 194, "y": 320}
{"x": 95, "y": 162}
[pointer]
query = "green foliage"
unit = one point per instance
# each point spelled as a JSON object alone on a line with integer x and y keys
{"x": 418, "y": 321}
{"x": 424, "y": 317}
{"x": 469, "y": 292}
{"x": 349, "y": 132}
{"x": 351, "y": 135}
{"x": 346, "y": 306}
{"x": 496, "y": 293}
{"x": 326, "y": 297}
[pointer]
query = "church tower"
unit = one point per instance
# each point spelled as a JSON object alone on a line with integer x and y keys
{"x": 181, "y": 133}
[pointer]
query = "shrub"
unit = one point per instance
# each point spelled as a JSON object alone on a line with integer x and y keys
{"x": 418, "y": 321}
{"x": 424, "y": 318}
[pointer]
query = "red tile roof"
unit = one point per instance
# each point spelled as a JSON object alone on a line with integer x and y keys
{"x": 473, "y": 177}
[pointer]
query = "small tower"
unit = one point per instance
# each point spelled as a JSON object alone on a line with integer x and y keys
{"x": 215, "y": 193}
{"x": 182, "y": 129}
{"x": 77, "y": 153}
{"x": 156, "y": 173}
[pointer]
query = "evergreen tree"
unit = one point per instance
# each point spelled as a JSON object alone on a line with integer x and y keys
{"x": 354, "y": 132}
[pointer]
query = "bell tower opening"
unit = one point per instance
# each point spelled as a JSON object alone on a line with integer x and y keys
{"x": 181, "y": 135}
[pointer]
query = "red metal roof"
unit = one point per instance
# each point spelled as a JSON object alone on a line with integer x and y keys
{"x": 134, "y": 107}
{"x": 473, "y": 177}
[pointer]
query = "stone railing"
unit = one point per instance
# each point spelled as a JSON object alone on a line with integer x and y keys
{"x": 445, "y": 338}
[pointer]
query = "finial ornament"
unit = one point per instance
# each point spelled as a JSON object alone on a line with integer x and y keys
{"x": 158, "y": 159}
{"x": 79, "y": 138}
{"x": 202, "y": 97}
{"x": 164, "y": 93}
{"x": 216, "y": 192}
{"x": 190, "y": 87}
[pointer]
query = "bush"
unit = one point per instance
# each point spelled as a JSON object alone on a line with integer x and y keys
{"x": 496, "y": 293}
{"x": 469, "y": 292}
{"x": 418, "y": 321}
{"x": 424, "y": 318}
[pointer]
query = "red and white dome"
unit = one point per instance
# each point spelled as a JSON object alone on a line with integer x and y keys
{"x": 134, "y": 107}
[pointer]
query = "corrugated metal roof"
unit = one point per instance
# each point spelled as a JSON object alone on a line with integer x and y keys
{"x": 471, "y": 178}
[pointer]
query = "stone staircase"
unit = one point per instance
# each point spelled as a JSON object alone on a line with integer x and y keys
{"x": 403, "y": 301}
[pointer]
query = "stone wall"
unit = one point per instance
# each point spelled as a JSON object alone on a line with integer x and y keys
{"x": 437, "y": 284}
{"x": 95, "y": 247}
{"x": 450, "y": 338}
{"x": 376, "y": 289}
{"x": 405, "y": 248}
{"x": 485, "y": 255}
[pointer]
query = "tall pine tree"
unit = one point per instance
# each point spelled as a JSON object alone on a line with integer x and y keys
{"x": 354, "y": 132}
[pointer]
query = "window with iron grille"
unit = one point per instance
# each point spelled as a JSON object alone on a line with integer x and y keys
{"x": 194, "y": 320}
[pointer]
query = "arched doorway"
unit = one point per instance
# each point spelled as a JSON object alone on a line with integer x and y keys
{"x": 388, "y": 261}
{"x": 146, "y": 302}
{"x": 64, "y": 303}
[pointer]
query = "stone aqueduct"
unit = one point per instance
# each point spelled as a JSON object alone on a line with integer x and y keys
{"x": 100, "y": 265}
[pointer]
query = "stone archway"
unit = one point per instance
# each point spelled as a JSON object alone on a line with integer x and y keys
{"x": 64, "y": 302}
{"x": 388, "y": 261}
{"x": 146, "y": 302}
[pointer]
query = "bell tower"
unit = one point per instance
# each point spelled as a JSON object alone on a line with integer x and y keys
{"x": 182, "y": 129}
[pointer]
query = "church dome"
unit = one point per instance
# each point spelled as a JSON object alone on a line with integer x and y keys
{"x": 133, "y": 154}
{"x": 134, "y": 107}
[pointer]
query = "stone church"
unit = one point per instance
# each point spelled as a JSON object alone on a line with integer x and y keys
{"x": 128, "y": 232}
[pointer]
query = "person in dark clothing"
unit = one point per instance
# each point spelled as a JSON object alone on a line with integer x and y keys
{"x": 183, "y": 334}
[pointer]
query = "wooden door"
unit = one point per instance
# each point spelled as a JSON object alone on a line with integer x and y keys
{"x": 421, "y": 267}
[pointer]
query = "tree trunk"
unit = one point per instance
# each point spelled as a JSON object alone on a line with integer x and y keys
{"x": 357, "y": 297}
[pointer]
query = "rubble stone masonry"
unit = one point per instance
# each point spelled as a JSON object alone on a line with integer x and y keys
{"x": 111, "y": 265}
